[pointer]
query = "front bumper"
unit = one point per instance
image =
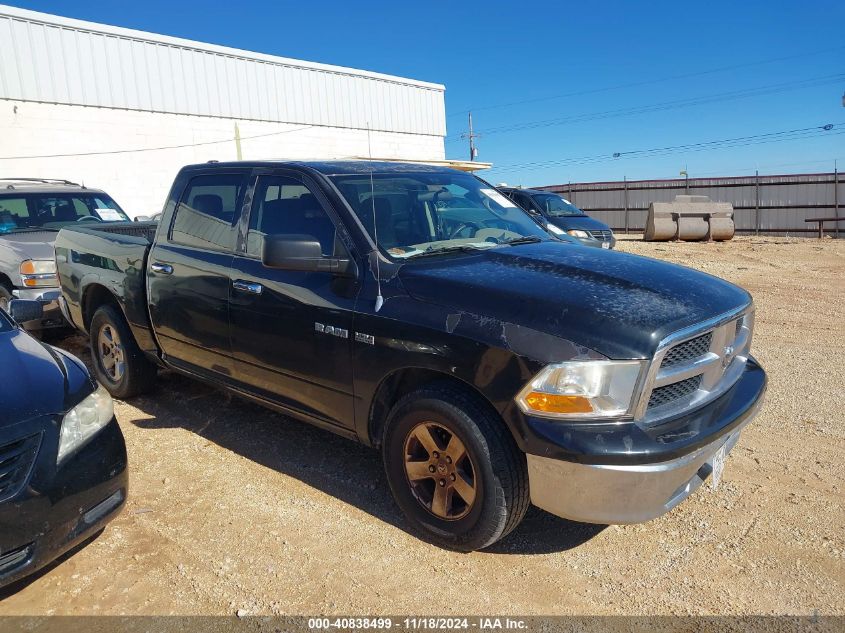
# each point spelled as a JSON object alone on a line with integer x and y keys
{"x": 49, "y": 300}
{"x": 60, "y": 508}
{"x": 655, "y": 470}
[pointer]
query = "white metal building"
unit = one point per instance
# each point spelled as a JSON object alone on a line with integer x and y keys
{"x": 122, "y": 110}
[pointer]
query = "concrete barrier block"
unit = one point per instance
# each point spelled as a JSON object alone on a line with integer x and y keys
{"x": 691, "y": 218}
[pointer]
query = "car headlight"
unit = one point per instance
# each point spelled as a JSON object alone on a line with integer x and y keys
{"x": 579, "y": 234}
{"x": 583, "y": 389}
{"x": 37, "y": 273}
{"x": 82, "y": 422}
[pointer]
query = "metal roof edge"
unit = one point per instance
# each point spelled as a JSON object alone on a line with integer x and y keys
{"x": 50, "y": 19}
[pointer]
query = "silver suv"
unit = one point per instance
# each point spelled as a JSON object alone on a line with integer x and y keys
{"x": 32, "y": 210}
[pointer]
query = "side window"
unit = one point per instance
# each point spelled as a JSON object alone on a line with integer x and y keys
{"x": 13, "y": 213}
{"x": 206, "y": 214}
{"x": 284, "y": 205}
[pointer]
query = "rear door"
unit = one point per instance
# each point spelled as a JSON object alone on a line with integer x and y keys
{"x": 292, "y": 330}
{"x": 188, "y": 273}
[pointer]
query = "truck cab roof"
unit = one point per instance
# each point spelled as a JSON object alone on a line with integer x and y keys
{"x": 333, "y": 167}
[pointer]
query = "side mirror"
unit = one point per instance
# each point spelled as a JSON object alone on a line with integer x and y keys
{"x": 302, "y": 253}
{"x": 23, "y": 310}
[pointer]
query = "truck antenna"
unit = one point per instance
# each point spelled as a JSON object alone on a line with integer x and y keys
{"x": 379, "y": 297}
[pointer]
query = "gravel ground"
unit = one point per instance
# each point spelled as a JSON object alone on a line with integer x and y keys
{"x": 234, "y": 508}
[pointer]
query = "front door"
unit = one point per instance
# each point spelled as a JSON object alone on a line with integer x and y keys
{"x": 291, "y": 331}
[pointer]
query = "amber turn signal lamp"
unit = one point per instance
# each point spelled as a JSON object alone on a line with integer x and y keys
{"x": 556, "y": 403}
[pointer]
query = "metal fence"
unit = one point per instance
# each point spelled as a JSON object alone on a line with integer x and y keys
{"x": 762, "y": 204}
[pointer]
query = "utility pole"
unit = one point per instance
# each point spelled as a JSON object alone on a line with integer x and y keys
{"x": 473, "y": 150}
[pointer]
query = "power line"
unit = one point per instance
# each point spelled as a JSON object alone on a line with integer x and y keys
{"x": 154, "y": 149}
{"x": 821, "y": 161}
{"x": 670, "y": 105}
{"x": 648, "y": 82}
{"x": 741, "y": 141}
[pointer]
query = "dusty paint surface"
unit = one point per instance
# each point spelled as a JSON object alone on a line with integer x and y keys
{"x": 235, "y": 508}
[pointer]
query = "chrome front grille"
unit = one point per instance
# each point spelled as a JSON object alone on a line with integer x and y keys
{"x": 671, "y": 393}
{"x": 602, "y": 235}
{"x": 16, "y": 459}
{"x": 688, "y": 350}
{"x": 696, "y": 365}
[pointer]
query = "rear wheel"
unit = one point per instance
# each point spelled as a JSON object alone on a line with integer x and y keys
{"x": 119, "y": 364}
{"x": 454, "y": 469}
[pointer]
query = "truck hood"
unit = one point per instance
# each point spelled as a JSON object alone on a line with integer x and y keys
{"x": 33, "y": 245}
{"x": 617, "y": 304}
{"x": 37, "y": 380}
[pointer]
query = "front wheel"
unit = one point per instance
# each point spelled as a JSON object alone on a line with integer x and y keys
{"x": 454, "y": 469}
{"x": 119, "y": 364}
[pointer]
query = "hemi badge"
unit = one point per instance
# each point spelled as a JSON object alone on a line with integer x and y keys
{"x": 369, "y": 339}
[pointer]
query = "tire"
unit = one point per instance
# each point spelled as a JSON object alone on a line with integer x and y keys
{"x": 120, "y": 366}
{"x": 493, "y": 472}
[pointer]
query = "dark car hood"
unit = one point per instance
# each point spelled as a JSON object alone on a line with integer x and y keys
{"x": 583, "y": 222}
{"x": 617, "y": 304}
{"x": 36, "y": 379}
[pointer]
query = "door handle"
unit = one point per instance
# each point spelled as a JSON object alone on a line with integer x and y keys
{"x": 247, "y": 286}
{"x": 164, "y": 269}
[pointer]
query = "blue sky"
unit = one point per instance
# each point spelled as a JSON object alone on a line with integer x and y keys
{"x": 625, "y": 67}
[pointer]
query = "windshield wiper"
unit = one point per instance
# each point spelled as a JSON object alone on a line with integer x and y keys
{"x": 526, "y": 239}
{"x": 459, "y": 248}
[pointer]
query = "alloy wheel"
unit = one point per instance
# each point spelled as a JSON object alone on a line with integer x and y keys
{"x": 440, "y": 471}
{"x": 111, "y": 353}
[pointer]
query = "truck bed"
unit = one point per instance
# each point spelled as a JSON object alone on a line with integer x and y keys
{"x": 106, "y": 258}
{"x": 143, "y": 230}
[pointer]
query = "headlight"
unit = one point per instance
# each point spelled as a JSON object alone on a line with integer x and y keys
{"x": 583, "y": 389}
{"x": 36, "y": 273}
{"x": 82, "y": 422}
{"x": 579, "y": 233}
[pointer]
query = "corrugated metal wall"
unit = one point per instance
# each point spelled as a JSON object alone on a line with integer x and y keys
{"x": 51, "y": 59}
{"x": 769, "y": 204}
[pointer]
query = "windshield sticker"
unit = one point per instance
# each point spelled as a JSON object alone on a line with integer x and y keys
{"x": 109, "y": 215}
{"x": 554, "y": 229}
{"x": 498, "y": 198}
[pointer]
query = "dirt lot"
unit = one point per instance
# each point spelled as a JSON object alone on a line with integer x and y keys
{"x": 235, "y": 508}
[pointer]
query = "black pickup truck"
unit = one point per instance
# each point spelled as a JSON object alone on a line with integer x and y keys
{"x": 417, "y": 310}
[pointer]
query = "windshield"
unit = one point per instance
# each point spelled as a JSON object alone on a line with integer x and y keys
{"x": 432, "y": 212}
{"x": 555, "y": 205}
{"x": 34, "y": 211}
